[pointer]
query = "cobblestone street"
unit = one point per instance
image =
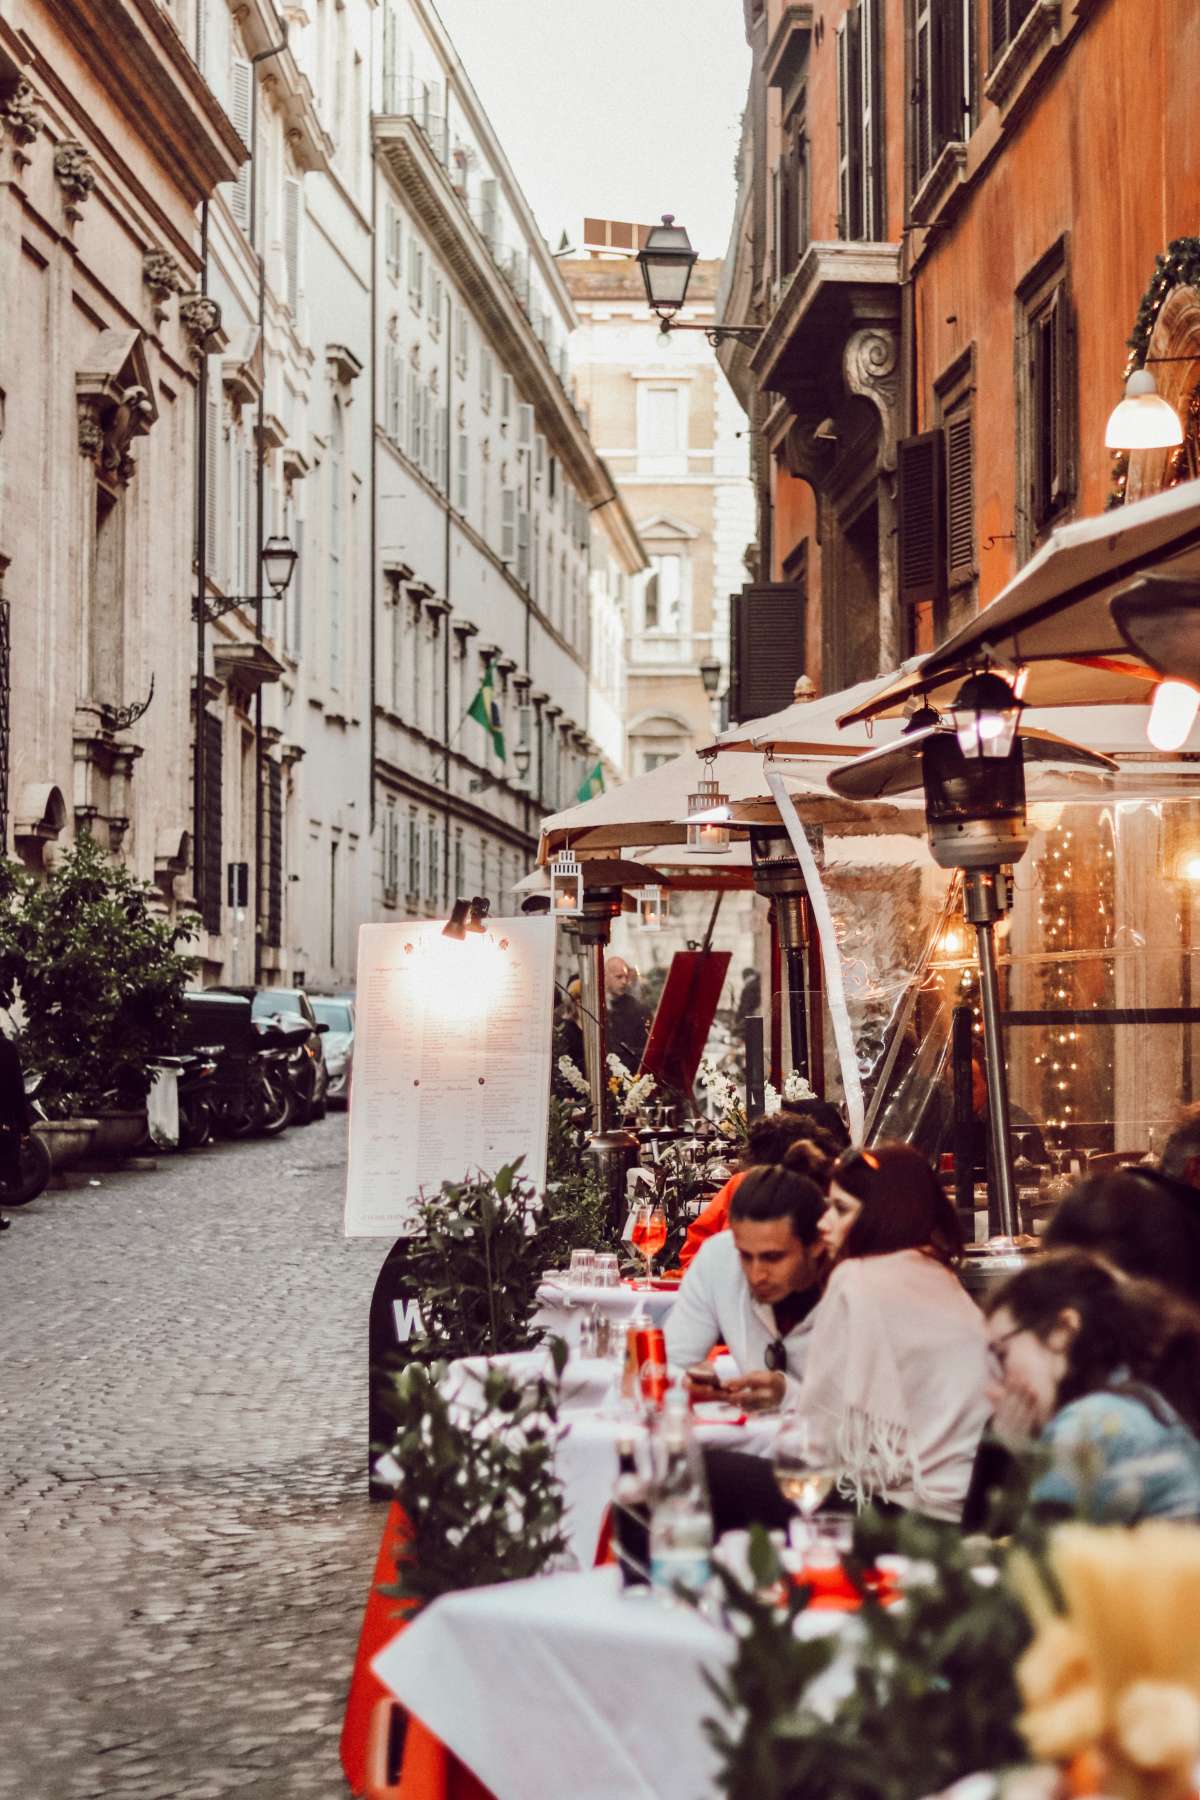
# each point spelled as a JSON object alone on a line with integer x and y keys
{"x": 185, "y": 1540}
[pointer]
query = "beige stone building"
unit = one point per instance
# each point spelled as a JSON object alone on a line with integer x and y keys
{"x": 107, "y": 149}
{"x": 671, "y": 430}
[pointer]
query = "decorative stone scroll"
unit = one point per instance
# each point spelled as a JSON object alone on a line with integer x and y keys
{"x": 870, "y": 365}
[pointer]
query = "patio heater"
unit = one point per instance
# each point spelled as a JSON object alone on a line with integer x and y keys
{"x": 974, "y": 781}
{"x": 611, "y": 1147}
{"x": 778, "y": 878}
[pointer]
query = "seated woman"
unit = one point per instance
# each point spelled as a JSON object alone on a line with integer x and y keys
{"x": 1138, "y": 1220}
{"x": 895, "y": 1386}
{"x": 767, "y": 1140}
{"x": 1104, "y": 1374}
{"x": 894, "y": 1389}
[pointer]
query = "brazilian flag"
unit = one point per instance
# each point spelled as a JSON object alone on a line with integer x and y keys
{"x": 592, "y": 784}
{"x": 486, "y": 709}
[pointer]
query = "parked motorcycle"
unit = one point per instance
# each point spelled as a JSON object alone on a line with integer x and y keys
{"x": 299, "y": 1061}
{"x": 33, "y": 1163}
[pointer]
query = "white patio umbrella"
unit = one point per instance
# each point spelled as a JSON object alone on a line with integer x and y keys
{"x": 1054, "y": 619}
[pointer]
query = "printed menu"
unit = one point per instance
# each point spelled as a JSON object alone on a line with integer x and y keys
{"x": 451, "y": 1062}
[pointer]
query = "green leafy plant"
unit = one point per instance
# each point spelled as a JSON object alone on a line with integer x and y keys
{"x": 100, "y": 979}
{"x": 475, "y": 1261}
{"x": 934, "y": 1695}
{"x": 478, "y": 1487}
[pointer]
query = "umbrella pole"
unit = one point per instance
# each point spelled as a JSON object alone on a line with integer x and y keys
{"x": 983, "y": 903}
{"x": 776, "y": 1007}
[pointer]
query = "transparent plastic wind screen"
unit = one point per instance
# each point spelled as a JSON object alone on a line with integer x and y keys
{"x": 1098, "y": 973}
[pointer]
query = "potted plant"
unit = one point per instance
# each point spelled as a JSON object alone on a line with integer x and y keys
{"x": 99, "y": 979}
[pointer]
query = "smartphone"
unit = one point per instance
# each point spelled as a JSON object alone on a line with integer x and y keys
{"x": 705, "y": 1375}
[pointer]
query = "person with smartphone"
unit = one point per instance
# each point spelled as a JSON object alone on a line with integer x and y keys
{"x": 754, "y": 1288}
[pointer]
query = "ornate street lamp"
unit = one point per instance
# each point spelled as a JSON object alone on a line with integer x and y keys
{"x": 667, "y": 260}
{"x": 279, "y": 559}
{"x": 985, "y": 716}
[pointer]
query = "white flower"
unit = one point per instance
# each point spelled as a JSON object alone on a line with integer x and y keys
{"x": 572, "y": 1076}
{"x": 795, "y": 1087}
{"x": 618, "y": 1067}
{"x": 771, "y": 1100}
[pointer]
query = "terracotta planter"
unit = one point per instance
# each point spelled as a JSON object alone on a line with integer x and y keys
{"x": 67, "y": 1140}
{"x": 119, "y": 1131}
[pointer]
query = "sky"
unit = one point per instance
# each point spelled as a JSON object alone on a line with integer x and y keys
{"x": 617, "y": 109}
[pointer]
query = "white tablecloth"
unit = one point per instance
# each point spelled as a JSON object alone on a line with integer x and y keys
{"x": 562, "y": 1686}
{"x": 561, "y": 1308}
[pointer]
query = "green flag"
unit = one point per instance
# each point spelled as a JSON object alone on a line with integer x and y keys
{"x": 486, "y": 709}
{"x": 592, "y": 784}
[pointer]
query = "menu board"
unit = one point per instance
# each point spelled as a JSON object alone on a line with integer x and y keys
{"x": 451, "y": 1062}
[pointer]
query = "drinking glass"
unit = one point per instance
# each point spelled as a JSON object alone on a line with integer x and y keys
{"x": 804, "y": 1473}
{"x": 649, "y": 1236}
{"x": 608, "y": 1272}
{"x": 583, "y": 1267}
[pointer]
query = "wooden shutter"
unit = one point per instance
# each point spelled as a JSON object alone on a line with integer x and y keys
{"x": 524, "y": 424}
{"x": 273, "y": 847}
{"x": 1007, "y": 18}
{"x": 464, "y": 455}
{"x": 291, "y": 240}
{"x": 242, "y": 75}
{"x": 960, "y": 498}
{"x": 923, "y": 91}
{"x": 871, "y": 122}
{"x": 1050, "y": 398}
{"x": 508, "y": 526}
{"x": 950, "y": 97}
{"x": 843, "y": 127}
{"x": 210, "y": 846}
{"x": 920, "y": 465}
{"x": 202, "y": 24}
{"x": 768, "y": 648}
{"x": 390, "y": 104}
{"x": 523, "y": 547}
{"x": 212, "y": 472}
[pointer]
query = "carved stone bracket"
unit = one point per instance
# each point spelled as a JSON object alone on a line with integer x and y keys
{"x": 163, "y": 277}
{"x": 75, "y": 174}
{"x": 19, "y": 113}
{"x": 114, "y": 394}
{"x": 200, "y": 317}
{"x": 870, "y": 365}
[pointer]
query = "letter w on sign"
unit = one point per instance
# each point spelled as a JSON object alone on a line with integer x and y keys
{"x": 409, "y": 1323}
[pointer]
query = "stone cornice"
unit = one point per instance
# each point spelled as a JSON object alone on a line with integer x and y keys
{"x": 142, "y": 64}
{"x": 427, "y": 190}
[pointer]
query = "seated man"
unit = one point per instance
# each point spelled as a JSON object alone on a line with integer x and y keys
{"x": 754, "y": 1288}
{"x": 767, "y": 1140}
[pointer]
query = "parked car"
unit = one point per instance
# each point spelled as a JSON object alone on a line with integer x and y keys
{"x": 307, "y": 1073}
{"x": 337, "y": 1012}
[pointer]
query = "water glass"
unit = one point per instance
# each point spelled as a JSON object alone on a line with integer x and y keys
{"x": 583, "y": 1268}
{"x": 607, "y": 1269}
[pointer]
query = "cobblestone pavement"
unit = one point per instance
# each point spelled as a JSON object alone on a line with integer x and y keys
{"x": 185, "y": 1538}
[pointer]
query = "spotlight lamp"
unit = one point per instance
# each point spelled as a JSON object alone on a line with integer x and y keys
{"x": 467, "y": 915}
{"x": 566, "y": 886}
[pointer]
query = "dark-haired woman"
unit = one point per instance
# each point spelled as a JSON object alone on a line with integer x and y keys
{"x": 1140, "y": 1221}
{"x": 895, "y": 1381}
{"x": 1105, "y": 1374}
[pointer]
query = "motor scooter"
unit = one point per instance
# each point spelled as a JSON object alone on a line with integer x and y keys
{"x": 33, "y": 1162}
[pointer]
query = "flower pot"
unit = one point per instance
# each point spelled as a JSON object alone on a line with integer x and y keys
{"x": 66, "y": 1139}
{"x": 119, "y": 1131}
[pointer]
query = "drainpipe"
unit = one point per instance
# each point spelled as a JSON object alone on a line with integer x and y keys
{"x": 449, "y": 468}
{"x": 201, "y": 873}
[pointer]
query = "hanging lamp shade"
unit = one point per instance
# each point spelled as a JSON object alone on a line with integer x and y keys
{"x": 708, "y": 817}
{"x": 566, "y": 886}
{"x": 985, "y": 714}
{"x": 1143, "y": 420}
{"x": 667, "y": 260}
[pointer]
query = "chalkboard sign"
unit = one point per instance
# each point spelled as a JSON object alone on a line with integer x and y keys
{"x": 395, "y": 1327}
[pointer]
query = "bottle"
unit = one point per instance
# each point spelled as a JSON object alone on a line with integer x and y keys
{"x": 681, "y": 1531}
{"x": 631, "y": 1518}
{"x": 587, "y": 1334}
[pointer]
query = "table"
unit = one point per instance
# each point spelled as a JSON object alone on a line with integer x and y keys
{"x": 561, "y": 1308}
{"x": 562, "y": 1686}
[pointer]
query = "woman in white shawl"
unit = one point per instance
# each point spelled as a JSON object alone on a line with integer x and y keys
{"x": 895, "y": 1385}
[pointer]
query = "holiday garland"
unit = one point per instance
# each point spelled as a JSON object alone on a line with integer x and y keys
{"x": 1177, "y": 266}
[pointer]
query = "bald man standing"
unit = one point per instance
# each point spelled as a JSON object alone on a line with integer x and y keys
{"x": 628, "y": 1019}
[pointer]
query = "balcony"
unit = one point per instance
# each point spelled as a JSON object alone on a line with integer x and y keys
{"x": 837, "y": 289}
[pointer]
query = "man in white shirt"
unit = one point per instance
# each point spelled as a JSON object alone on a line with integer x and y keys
{"x": 754, "y": 1288}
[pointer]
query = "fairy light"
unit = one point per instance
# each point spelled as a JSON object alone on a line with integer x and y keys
{"x": 1075, "y": 891}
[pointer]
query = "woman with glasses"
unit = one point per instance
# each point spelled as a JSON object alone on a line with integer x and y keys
{"x": 895, "y": 1385}
{"x": 1103, "y": 1374}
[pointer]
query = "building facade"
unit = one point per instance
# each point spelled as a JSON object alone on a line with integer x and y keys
{"x": 948, "y": 240}
{"x": 106, "y": 153}
{"x": 490, "y": 498}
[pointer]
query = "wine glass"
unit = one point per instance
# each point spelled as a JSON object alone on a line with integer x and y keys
{"x": 649, "y": 1234}
{"x": 804, "y": 1473}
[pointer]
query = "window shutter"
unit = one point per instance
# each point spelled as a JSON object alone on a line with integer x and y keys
{"x": 202, "y": 22}
{"x": 389, "y": 61}
{"x": 239, "y": 112}
{"x": 960, "y": 498}
{"x": 508, "y": 526}
{"x": 523, "y": 547}
{"x": 871, "y": 138}
{"x": 506, "y": 398}
{"x": 950, "y": 98}
{"x": 524, "y": 424}
{"x": 487, "y": 192}
{"x": 210, "y": 847}
{"x": 919, "y": 513}
{"x": 212, "y": 475}
{"x": 1062, "y": 476}
{"x": 767, "y": 640}
{"x": 247, "y": 574}
{"x": 291, "y": 239}
{"x": 923, "y": 90}
{"x": 1007, "y": 18}
{"x": 462, "y": 339}
{"x": 843, "y": 127}
{"x": 274, "y": 853}
{"x": 464, "y": 453}
{"x": 1050, "y": 389}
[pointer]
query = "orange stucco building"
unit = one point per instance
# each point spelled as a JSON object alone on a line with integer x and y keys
{"x": 948, "y": 222}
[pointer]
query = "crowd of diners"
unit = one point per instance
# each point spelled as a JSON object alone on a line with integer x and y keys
{"x": 829, "y": 1273}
